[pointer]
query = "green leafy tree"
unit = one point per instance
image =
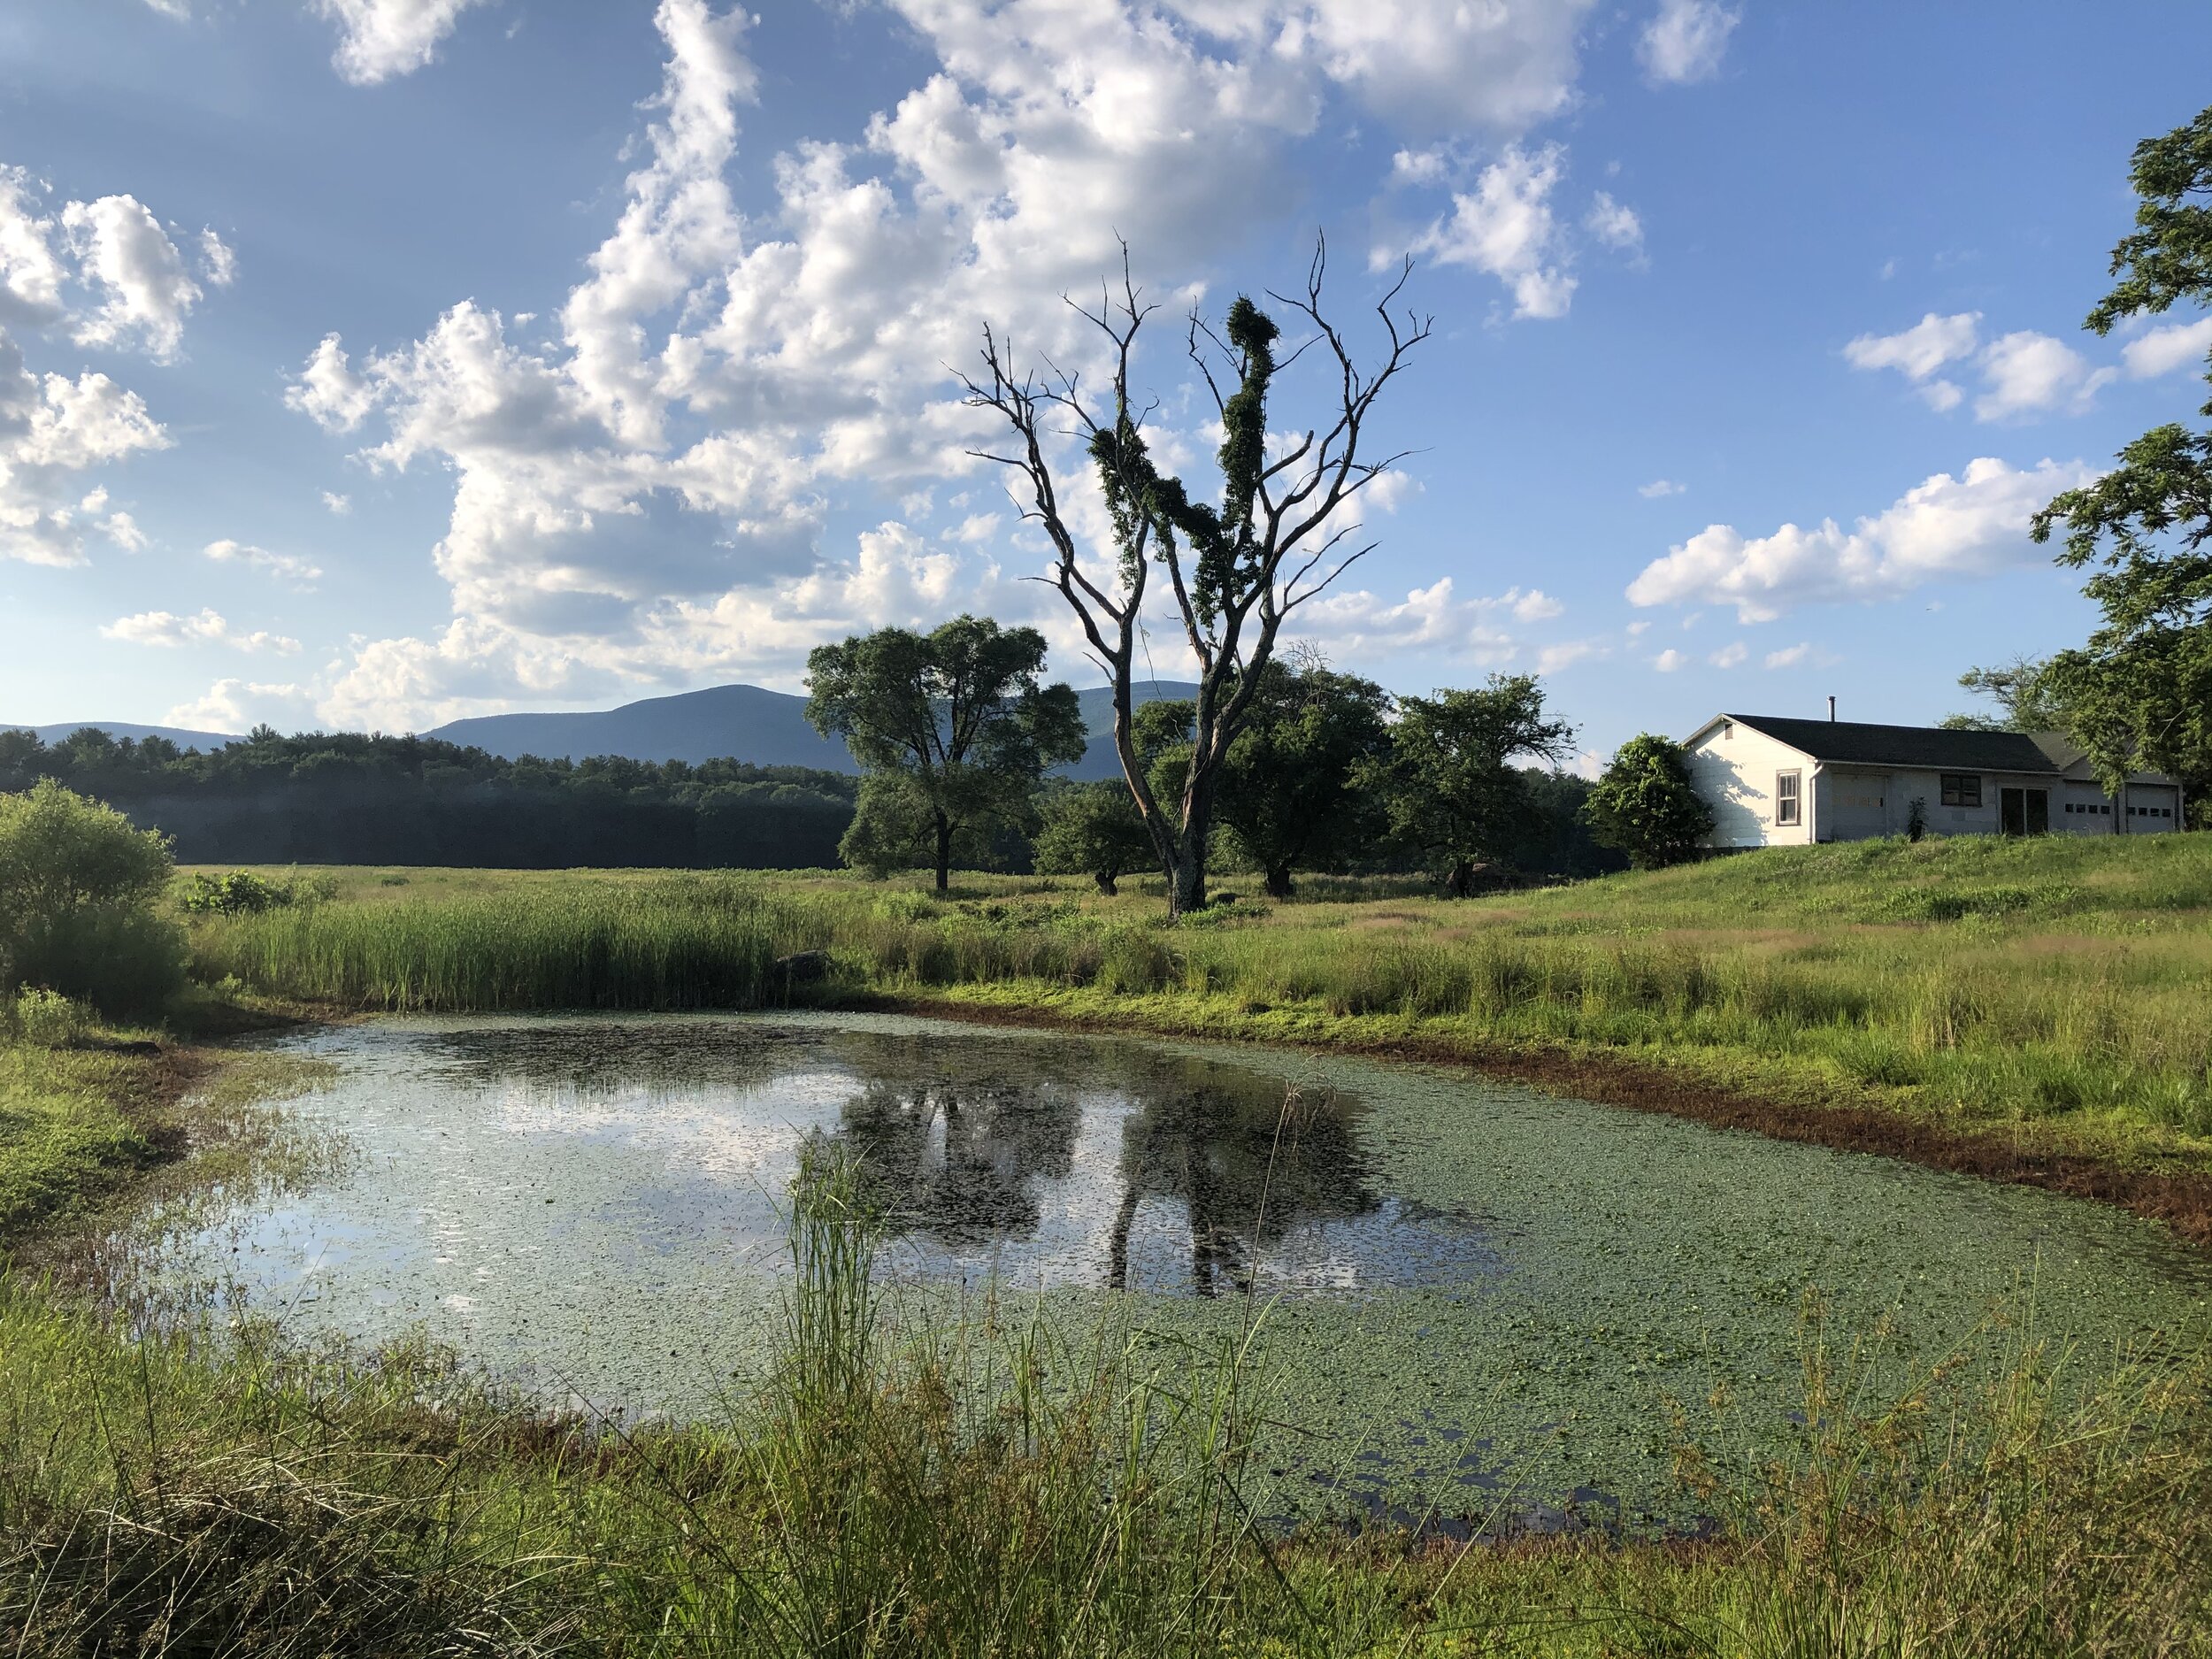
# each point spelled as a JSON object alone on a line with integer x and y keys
{"x": 2027, "y": 699}
{"x": 1091, "y": 829}
{"x": 1646, "y": 805}
{"x": 951, "y": 729}
{"x": 1455, "y": 800}
{"x": 2139, "y": 692}
{"x": 1236, "y": 568}
{"x": 78, "y": 885}
{"x": 1299, "y": 786}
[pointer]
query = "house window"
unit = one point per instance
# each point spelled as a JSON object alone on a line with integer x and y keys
{"x": 1962, "y": 789}
{"x": 1786, "y": 801}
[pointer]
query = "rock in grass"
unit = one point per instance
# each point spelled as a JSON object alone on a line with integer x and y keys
{"x": 803, "y": 967}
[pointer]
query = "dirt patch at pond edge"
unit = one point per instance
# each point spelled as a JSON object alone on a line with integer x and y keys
{"x": 2182, "y": 1200}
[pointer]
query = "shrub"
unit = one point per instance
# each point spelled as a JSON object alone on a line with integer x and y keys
{"x": 240, "y": 893}
{"x": 45, "y": 1017}
{"x": 78, "y": 884}
{"x": 1646, "y": 806}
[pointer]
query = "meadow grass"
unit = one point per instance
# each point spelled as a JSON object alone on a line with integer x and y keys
{"x": 2059, "y": 988}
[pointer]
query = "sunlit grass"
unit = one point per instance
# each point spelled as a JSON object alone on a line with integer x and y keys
{"x": 2063, "y": 985}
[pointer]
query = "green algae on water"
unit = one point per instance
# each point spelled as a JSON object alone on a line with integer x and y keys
{"x": 1469, "y": 1298}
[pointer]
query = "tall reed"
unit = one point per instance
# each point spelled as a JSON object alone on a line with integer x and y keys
{"x": 679, "y": 942}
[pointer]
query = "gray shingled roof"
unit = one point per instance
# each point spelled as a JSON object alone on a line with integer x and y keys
{"x": 1851, "y": 742}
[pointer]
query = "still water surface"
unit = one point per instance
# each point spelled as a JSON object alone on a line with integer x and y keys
{"x": 1469, "y": 1286}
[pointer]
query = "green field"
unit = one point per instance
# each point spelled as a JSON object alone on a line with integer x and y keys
{"x": 894, "y": 1492}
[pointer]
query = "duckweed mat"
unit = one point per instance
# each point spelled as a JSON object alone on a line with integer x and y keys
{"x": 1474, "y": 1302}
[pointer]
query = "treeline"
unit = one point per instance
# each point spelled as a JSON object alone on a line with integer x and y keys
{"x": 349, "y": 798}
{"x": 1329, "y": 772}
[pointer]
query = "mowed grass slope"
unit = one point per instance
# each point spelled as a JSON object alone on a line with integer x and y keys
{"x": 2060, "y": 990}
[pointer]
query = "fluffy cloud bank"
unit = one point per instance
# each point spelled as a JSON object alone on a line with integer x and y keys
{"x": 2023, "y": 373}
{"x": 1946, "y": 528}
{"x": 103, "y": 274}
{"x": 641, "y": 499}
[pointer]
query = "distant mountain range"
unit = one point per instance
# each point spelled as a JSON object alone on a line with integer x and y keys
{"x": 180, "y": 736}
{"x": 747, "y": 723}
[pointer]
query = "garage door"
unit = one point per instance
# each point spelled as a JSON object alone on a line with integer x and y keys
{"x": 2152, "y": 808}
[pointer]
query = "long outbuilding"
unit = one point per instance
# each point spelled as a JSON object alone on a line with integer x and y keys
{"x": 1775, "y": 781}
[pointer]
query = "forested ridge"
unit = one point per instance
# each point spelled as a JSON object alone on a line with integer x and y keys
{"x": 354, "y": 798}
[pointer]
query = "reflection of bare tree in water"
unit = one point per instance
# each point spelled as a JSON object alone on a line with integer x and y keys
{"x": 959, "y": 1159}
{"x": 956, "y": 1138}
{"x": 958, "y": 1154}
{"x": 1248, "y": 1164}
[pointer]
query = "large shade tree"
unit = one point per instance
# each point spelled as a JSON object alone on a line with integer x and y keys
{"x": 2139, "y": 692}
{"x": 1456, "y": 801}
{"x": 952, "y": 730}
{"x": 1278, "y": 532}
{"x": 1090, "y": 829}
{"x": 1299, "y": 789}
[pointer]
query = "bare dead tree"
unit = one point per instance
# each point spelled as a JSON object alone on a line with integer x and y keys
{"x": 1236, "y": 571}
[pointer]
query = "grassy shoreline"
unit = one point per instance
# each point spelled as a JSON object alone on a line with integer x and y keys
{"x": 2024, "y": 1011}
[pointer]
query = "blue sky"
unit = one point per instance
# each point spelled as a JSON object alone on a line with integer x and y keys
{"x": 371, "y": 362}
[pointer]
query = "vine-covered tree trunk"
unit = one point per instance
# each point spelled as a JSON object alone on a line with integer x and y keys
{"x": 1459, "y": 881}
{"x": 1279, "y": 883}
{"x": 944, "y": 852}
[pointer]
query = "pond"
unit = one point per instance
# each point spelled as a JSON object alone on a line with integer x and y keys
{"x": 1468, "y": 1288}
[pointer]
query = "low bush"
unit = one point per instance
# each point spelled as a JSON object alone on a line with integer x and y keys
{"x": 78, "y": 884}
{"x": 242, "y": 893}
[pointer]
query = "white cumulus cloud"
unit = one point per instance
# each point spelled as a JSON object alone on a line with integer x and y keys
{"x": 379, "y": 39}
{"x": 51, "y": 429}
{"x": 166, "y": 628}
{"x": 1684, "y": 41}
{"x": 239, "y": 705}
{"x": 1357, "y": 624}
{"x": 146, "y": 293}
{"x": 643, "y": 495}
{"x": 2027, "y": 372}
{"x": 1505, "y": 226}
{"x": 1669, "y": 660}
{"x": 2168, "y": 348}
{"x": 1946, "y": 528}
{"x": 1917, "y": 352}
{"x": 1659, "y": 488}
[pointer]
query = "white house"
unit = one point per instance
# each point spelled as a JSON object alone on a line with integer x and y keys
{"x": 1777, "y": 782}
